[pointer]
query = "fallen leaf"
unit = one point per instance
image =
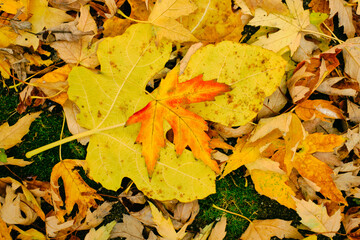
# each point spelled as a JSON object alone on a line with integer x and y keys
{"x": 12, "y": 135}
{"x": 317, "y": 219}
{"x": 265, "y": 229}
{"x": 76, "y": 190}
{"x": 54, "y": 84}
{"x": 351, "y": 53}
{"x": 258, "y": 76}
{"x": 189, "y": 129}
{"x": 273, "y": 185}
{"x": 344, "y": 12}
{"x": 310, "y": 109}
{"x": 218, "y": 232}
{"x": 163, "y": 16}
{"x": 214, "y": 21}
{"x": 270, "y": 6}
{"x": 102, "y": 233}
{"x": 95, "y": 218}
{"x": 82, "y": 51}
{"x": 130, "y": 228}
{"x": 125, "y": 71}
{"x": 67, "y": 5}
{"x": 14, "y": 161}
{"x": 45, "y": 16}
{"x": 339, "y": 86}
{"x": 351, "y": 223}
{"x": 30, "y": 234}
{"x": 54, "y": 226}
{"x": 308, "y": 75}
{"x": 18, "y": 208}
{"x": 4, "y": 231}
{"x": 291, "y": 27}
{"x": 164, "y": 226}
{"x": 354, "y": 111}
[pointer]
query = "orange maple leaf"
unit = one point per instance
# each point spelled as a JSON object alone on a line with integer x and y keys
{"x": 189, "y": 128}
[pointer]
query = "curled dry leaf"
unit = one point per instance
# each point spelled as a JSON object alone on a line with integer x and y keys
{"x": 130, "y": 228}
{"x": 310, "y": 109}
{"x": 308, "y": 75}
{"x": 76, "y": 190}
{"x": 339, "y": 86}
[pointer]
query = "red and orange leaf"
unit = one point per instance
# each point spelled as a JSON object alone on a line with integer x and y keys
{"x": 322, "y": 109}
{"x": 189, "y": 128}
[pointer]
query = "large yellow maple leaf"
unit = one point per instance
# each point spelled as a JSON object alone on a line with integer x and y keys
{"x": 189, "y": 128}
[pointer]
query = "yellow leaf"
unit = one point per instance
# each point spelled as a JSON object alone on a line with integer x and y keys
{"x": 214, "y": 21}
{"x": 244, "y": 153}
{"x": 322, "y": 109}
{"x": 10, "y": 136}
{"x": 36, "y": 60}
{"x": 45, "y": 16}
{"x": 7, "y": 36}
{"x": 12, "y": 6}
{"x": 164, "y": 14}
{"x": 273, "y": 185}
{"x": 30, "y": 234}
{"x": 4, "y": 231}
{"x": 109, "y": 97}
{"x": 251, "y": 80}
{"x": 54, "y": 84}
{"x": 76, "y": 190}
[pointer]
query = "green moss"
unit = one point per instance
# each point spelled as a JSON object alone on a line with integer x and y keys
{"x": 236, "y": 193}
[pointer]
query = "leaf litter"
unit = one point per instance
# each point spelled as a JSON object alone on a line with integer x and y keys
{"x": 98, "y": 66}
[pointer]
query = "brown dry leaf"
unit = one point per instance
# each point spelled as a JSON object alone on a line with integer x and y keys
{"x": 352, "y": 223}
{"x": 80, "y": 51}
{"x": 308, "y": 75}
{"x": 76, "y": 190}
{"x": 310, "y": 109}
{"x": 18, "y": 207}
{"x": 317, "y": 219}
{"x": 71, "y": 111}
{"x": 265, "y": 229}
{"x": 339, "y": 86}
{"x": 130, "y": 228}
{"x": 68, "y": 4}
{"x": 274, "y": 103}
{"x": 26, "y": 97}
{"x": 344, "y": 12}
{"x": 54, "y": 84}
{"x": 218, "y": 232}
{"x": 354, "y": 111}
{"x": 54, "y": 226}
{"x": 351, "y": 53}
{"x": 12, "y": 135}
{"x": 93, "y": 219}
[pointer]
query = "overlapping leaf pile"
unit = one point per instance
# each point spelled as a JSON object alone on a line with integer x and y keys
{"x": 281, "y": 95}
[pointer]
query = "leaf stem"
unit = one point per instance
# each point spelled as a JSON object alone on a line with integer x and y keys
{"x": 129, "y": 18}
{"x": 227, "y": 211}
{"x": 69, "y": 139}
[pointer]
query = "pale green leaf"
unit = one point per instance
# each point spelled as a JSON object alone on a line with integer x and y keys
{"x": 252, "y": 72}
{"x": 108, "y": 98}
